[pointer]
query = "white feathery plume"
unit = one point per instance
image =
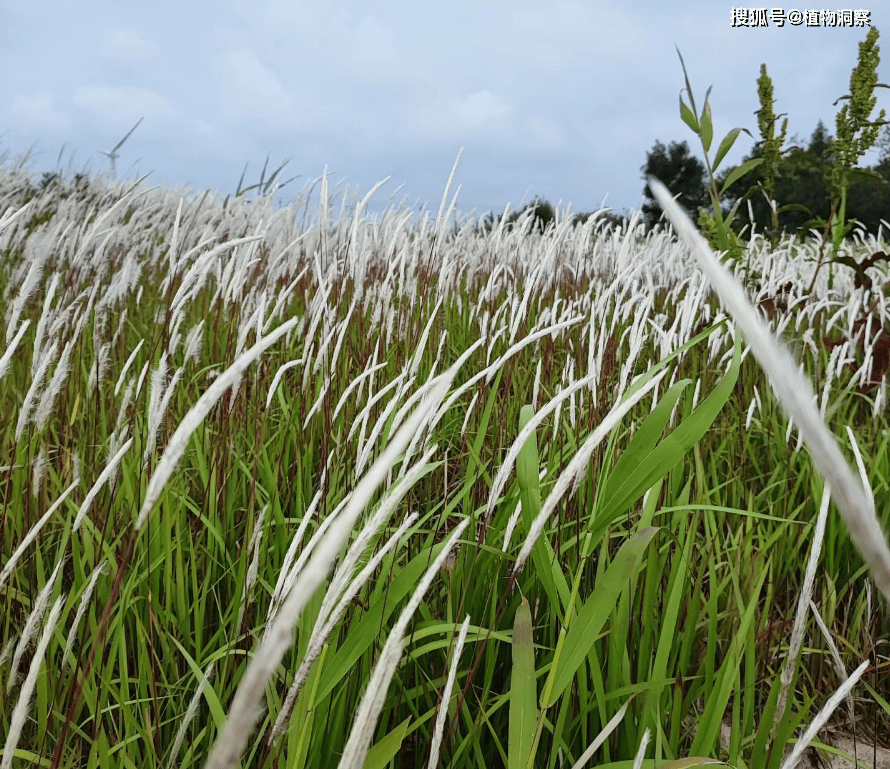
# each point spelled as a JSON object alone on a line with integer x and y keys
{"x": 253, "y": 547}
{"x": 37, "y": 380}
{"x": 463, "y": 429}
{"x": 365, "y": 453}
{"x": 45, "y": 317}
{"x": 347, "y": 565}
{"x": 442, "y": 714}
{"x": 193, "y": 342}
{"x": 98, "y": 371}
{"x": 602, "y": 736}
{"x": 839, "y": 666}
{"x": 32, "y": 623}
{"x": 35, "y": 271}
{"x": 189, "y": 715}
{"x": 803, "y": 742}
{"x": 355, "y": 383}
{"x": 504, "y": 472}
{"x": 38, "y": 471}
{"x": 7, "y": 356}
{"x": 803, "y": 602}
{"x": 127, "y": 365}
{"x": 327, "y": 621}
{"x": 20, "y": 711}
{"x": 32, "y": 535}
{"x": 81, "y": 609}
{"x": 277, "y": 378}
{"x": 577, "y": 466}
{"x": 641, "y": 753}
{"x": 45, "y": 407}
{"x": 284, "y": 582}
{"x": 100, "y": 482}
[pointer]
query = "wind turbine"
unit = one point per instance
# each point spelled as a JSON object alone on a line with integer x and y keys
{"x": 112, "y": 156}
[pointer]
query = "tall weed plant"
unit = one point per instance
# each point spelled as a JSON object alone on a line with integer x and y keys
{"x": 856, "y": 133}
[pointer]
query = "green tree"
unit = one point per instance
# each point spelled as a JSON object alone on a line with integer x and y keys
{"x": 681, "y": 172}
{"x": 542, "y": 212}
{"x": 820, "y": 142}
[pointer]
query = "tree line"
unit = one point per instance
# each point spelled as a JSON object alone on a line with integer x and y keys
{"x": 804, "y": 173}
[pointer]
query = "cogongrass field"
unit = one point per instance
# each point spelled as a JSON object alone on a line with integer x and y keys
{"x": 363, "y": 493}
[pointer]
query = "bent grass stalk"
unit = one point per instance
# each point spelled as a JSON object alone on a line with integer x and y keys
{"x": 179, "y": 440}
{"x": 796, "y": 395}
{"x": 341, "y": 591}
{"x": 822, "y": 718}
{"x": 243, "y": 711}
{"x": 442, "y": 714}
{"x": 372, "y": 702}
{"x": 32, "y": 623}
{"x": 327, "y": 621}
{"x": 577, "y": 465}
{"x": 7, "y": 356}
{"x": 31, "y": 536}
{"x": 797, "y": 630}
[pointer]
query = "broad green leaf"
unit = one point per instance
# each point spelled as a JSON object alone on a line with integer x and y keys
{"x": 688, "y": 85}
{"x": 878, "y": 698}
{"x": 645, "y": 438}
{"x": 385, "y": 751}
{"x": 546, "y": 563}
{"x": 707, "y": 126}
{"x": 30, "y": 757}
{"x": 688, "y": 116}
{"x": 725, "y": 146}
{"x": 739, "y": 172}
{"x": 586, "y": 626}
{"x": 670, "y": 451}
{"x": 523, "y": 694}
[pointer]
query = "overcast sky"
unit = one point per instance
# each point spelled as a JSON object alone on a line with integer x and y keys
{"x": 556, "y": 99}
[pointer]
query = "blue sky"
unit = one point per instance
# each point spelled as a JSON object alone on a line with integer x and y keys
{"x": 558, "y": 99}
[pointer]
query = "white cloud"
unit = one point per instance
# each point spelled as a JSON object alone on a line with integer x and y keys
{"x": 250, "y": 86}
{"x": 373, "y": 51}
{"x": 115, "y": 103}
{"x": 545, "y": 133}
{"x": 204, "y": 129}
{"x": 38, "y": 111}
{"x": 451, "y": 115}
{"x": 340, "y": 43}
{"x": 126, "y": 45}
